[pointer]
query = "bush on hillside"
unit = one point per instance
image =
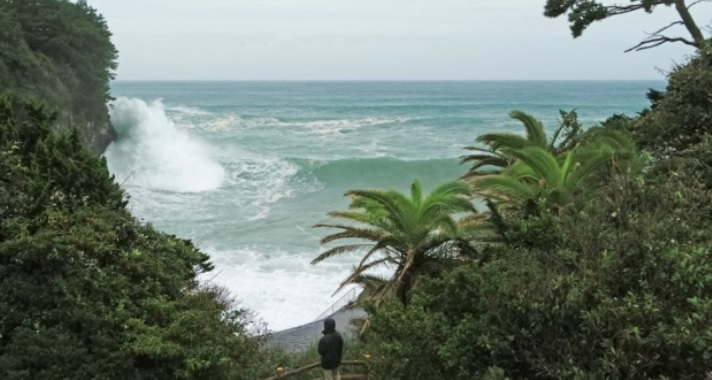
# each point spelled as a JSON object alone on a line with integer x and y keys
{"x": 626, "y": 295}
{"x": 86, "y": 291}
{"x": 682, "y": 117}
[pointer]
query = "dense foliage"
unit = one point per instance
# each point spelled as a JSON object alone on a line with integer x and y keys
{"x": 617, "y": 286}
{"x": 682, "y": 116}
{"x": 621, "y": 290}
{"x": 88, "y": 292}
{"x": 60, "y": 52}
{"x": 592, "y": 262}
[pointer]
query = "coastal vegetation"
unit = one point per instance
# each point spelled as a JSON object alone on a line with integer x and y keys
{"x": 86, "y": 290}
{"x": 60, "y": 52}
{"x": 599, "y": 262}
{"x": 515, "y": 170}
{"x": 581, "y": 255}
{"x": 603, "y": 266}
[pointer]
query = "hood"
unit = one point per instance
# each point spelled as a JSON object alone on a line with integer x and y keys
{"x": 329, "y": 326}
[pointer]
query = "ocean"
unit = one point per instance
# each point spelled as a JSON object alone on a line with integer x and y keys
{"x": 245, "y": 169}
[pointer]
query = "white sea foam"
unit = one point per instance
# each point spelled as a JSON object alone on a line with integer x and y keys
{"x": 340, "y": 126}
{"x": 283, "y": 288}
{"x": 153, "y": 153}
{"x": 312, "y": 127}
{"x": 191, "y": 111}
{"x": 262, "y": 180}
{"x": 221, "y": 123}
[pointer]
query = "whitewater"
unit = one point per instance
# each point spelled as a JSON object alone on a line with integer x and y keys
{"x": 245, "y": 169}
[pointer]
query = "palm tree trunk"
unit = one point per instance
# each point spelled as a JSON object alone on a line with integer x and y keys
{"x": 405, "y": 287}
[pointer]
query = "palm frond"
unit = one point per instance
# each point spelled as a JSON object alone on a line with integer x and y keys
{"x": 391, "y": 202}
{"x": 584, "y": 170}
{"x": 354, "y": 233}
{"x": 450, "y": 198}
{"x": 358, "y": 271}
{"x": 337, "y": 251}
{"x": 503, "y": 187}
{"x": 484, "y": 150}
{"x": 542, "y": 163}
{"x": 381, "y": 246}
{"x": 506, "y": 140}
{"x": 452, "y": 188}
{"x": 534, "y": 128}
{"x": 354, "y": 216}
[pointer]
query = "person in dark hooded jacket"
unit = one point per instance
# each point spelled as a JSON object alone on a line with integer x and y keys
{"x": 330, "y": 348}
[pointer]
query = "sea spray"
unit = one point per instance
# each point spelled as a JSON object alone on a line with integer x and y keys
{"x": 280, "y": 286}
{"x": 152, "y": 153}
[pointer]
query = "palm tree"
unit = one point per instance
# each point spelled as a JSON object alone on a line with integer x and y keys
{"x": 538, "y": 175}
{"x": 495, "y": 154}
{"x": 417, "y": 235}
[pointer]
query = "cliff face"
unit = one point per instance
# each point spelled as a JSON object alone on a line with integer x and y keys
{"x": 60, "y": 53}
{"x": 97, "y": 133}
{"x": 102, "y": 137}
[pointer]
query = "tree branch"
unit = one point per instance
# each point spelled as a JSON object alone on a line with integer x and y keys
{"x": 689, "y": 22}
{"x": 697, "y": 2}
{"x": 657, "y": 32}
{"x": 657, "y": 38}
{"x": 582, "y": 13}
{"x": 654, "y": 41}
{"x": 613, "y": 10}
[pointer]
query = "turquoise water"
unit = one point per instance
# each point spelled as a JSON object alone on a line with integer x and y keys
{"x": 246, "y": 168}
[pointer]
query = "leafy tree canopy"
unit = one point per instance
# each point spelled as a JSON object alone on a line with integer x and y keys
{"x": 60, "y": 52}
{"x": 582, "y": 13}
{"x": 88, "y": 292}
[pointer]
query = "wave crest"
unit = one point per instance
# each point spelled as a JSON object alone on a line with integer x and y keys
{"x": 151, "y": 152}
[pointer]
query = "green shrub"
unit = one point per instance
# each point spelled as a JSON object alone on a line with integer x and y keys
{"x": 682, "y": 118}
{"x": 88, "y": 292}
{"x": 626, "y": 295}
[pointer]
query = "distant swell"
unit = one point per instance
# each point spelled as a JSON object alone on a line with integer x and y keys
{"x": 152, "y": 153}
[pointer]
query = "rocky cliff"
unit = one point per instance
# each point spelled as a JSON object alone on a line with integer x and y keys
{"x": 59, "y": 53}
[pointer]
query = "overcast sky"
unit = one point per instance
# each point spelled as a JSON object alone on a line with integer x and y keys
{"x": 377, "y": 40}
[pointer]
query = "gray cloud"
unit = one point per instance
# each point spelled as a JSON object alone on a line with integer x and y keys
{"x": 374, "y": 39}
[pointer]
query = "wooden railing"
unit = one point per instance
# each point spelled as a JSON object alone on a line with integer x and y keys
{"x": 281, "y": 374}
